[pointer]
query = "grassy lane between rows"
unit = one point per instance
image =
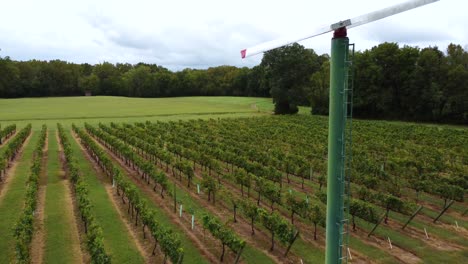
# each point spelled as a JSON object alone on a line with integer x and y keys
{"x": 418, "y": 247}
{"x": 302, "y": 248}
{"x": 444, "y": 233}
{"x": 250, "y": 253}
{"x": 62, "y": 242}
{"x": 191, "y": 253}
{"x": 11, "y": 204}
{"x": 118, "y": 242}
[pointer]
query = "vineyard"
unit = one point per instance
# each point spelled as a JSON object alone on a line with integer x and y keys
{"x": 234, "y": 190}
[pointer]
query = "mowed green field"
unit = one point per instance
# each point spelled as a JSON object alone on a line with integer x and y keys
{"x": 68, "y": 110}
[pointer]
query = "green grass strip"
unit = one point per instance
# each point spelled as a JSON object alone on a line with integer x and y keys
{"x": 443, "y": 233}
{"x": 418, "y": 247}
{"x": 60, "y": 241}
{"x": 117, "y": 240}
{"x": 191, "y": 253}
{"x": 249, "y": 255}
{"x": 12, "y": 203}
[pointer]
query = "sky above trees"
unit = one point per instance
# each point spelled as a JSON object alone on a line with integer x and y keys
{"x": 199, "y": 34}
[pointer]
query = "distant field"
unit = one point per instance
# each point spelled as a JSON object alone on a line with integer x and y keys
{"x": 67, "y": 110}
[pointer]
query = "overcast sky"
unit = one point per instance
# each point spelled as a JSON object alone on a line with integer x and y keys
{"x": 203, "y": 33}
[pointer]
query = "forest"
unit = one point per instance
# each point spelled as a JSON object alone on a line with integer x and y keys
{"x": 390, "y": 81}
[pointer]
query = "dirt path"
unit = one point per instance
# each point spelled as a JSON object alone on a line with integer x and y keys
{"x": 404, "y": 255}
{"x": 425, "y": 219}
{"x": 144, "y": 246}
{"x": 243, "y": 225}
{"x": 38, "y": 243}
{"x": 295, "y": 184}
{"x": 72, "y": 215}
{"x": 450, "y": 212}
{"x": 306, "y": 229}
{"x": 432, "y": 240}
{"x": 6, "y": 182}
{"x": 398, "y": 253}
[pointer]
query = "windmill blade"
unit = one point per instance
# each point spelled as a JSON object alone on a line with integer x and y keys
{"x": 273, "y": 44}
{"x": 389, "y": 11}
{"x": 349, "y": 23}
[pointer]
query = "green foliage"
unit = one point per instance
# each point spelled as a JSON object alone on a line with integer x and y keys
{"x": 320, "y": 89}
{"x": 60, "y": 78}
{"x": 223, "y": 233}
{"x": 363, "y": 210}
{"x": 265, "y": 164}
{"x": 169, "y": 242}
{"x": 12, "y": 149}
{"x": 297, "y": 206}
{"x": 251, "y": 211}
{"x": 7, "y": 132}
{"x": 94, "y": 239}
{"x": 278, "y": 226}
{"x": 210, "y": 185}
{"x": 287, "y": 72}
{"x": 24, "y": 228}
{"x": 391, "y": 82}
{"x": 317, "y": 216}
{"x": 450, "y": 192}
{"x": 409, "y": 83}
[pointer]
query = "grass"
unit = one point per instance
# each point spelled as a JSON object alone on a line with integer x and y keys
{"x": 249, "y": 255}
{"x": 443, "y": 233}
{"x": 117, "y": 241}
{"x": 13, "y": 201}
{"x": 191, "y": 253}
{"x": 60, "y": 242}
{"x": 68, "y": 110}
{"x": 418, "y": 247}
{"x": 300, "y": 247}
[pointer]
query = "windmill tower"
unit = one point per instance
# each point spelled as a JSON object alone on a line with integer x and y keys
{"x": 340, "y": 96}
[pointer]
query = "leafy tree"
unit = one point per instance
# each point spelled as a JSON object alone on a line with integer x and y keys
{"x": 287, "y": 72}
{"x": 139, "y": 82}
{"x": 319, "y": 89}
{"x": 9, "y": 78}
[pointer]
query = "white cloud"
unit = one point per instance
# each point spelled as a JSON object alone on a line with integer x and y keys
{"x": 178, "y": 34}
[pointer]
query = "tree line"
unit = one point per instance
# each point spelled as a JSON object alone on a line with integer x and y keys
{"x": 390, "y": 82}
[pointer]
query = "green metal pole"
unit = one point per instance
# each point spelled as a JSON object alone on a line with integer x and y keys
{"x": 336, "y": 146}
